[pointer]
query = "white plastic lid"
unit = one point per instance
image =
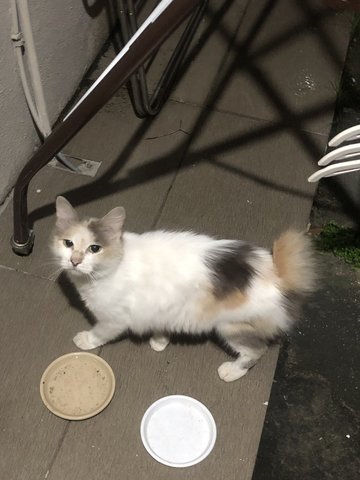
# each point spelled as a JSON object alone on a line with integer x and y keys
{"x": 178, "y": 431}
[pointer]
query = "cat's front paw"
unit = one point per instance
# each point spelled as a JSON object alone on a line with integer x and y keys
{"x": 158, "y": 343}
{"x": 230, "y": 371}
{"x": 86, "y": 340}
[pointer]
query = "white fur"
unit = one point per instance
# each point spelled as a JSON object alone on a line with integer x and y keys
{"x": 160, "y": 282}
{"x": 157, "y": 285}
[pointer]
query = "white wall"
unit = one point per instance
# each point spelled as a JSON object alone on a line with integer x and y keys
{"x": 67, "y": 40}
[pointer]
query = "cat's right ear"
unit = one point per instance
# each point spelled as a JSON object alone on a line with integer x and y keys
{"x": 65, "y": 213}
{"x": 113, "y": 222}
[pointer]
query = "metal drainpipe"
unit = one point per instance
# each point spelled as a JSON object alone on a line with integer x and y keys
{"x": 21, "y": 37}
{"x": 18, "y": 41}
{"x": 24, "y": 16}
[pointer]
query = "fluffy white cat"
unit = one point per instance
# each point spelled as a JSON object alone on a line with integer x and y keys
{"x": 179, "y": 282}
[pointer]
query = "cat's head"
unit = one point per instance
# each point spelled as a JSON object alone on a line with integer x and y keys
{"x": 87, "y": 247}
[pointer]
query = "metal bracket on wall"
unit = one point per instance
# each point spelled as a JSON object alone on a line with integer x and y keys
{"x": 83, "y": 167}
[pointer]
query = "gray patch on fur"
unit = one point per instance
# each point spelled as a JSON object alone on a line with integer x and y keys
{"x": 252, "y": 340}
{"x": 232, "y": 269}
{"x": 247, "y": 338}
{"x": 292, "y": 303}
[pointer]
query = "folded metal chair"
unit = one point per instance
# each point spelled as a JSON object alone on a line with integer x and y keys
{"x": 146, "y": 105}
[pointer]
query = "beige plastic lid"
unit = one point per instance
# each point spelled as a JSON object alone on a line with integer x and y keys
{"x": 77, "y": 386}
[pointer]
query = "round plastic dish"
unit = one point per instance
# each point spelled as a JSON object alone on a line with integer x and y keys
{"x": 77, "y": 386}
{"x": 178, "y": 431}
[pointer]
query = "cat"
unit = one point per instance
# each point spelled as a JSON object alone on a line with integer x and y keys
{"x": 163, "y": 282}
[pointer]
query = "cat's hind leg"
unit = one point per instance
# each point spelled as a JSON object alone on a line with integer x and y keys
{"x": 158, "y": 342}
{"x": 244, "y": 340}
{"x": 230, "y": 371}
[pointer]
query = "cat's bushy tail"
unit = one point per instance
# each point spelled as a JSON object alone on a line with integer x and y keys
{"x": 293, "y": 257}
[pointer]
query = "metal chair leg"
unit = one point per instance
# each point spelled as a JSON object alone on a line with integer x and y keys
{"x": 130, "y": 58}
{"x": 145, "y": 105}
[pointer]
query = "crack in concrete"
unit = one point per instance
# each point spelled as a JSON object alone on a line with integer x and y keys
{"x": 169, "y": 133}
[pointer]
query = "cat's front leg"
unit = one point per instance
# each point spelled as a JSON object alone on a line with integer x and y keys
{"x": 99, "y": 335}
{"x": 86, "y": 340}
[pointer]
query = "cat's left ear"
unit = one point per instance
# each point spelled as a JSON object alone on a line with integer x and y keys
{"x": 114, "y": 220}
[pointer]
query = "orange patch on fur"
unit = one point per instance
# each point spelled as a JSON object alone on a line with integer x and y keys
{"x": 293, "y": 259}
{"x": 234, "y": 300}
{"x": 211, "y": 306}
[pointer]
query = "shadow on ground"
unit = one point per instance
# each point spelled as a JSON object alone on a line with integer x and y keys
{"x": 243, "y": 55}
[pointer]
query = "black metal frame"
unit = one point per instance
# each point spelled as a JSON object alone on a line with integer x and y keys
{"x": 145, "y": 105}
{"x": 143, "y": 46}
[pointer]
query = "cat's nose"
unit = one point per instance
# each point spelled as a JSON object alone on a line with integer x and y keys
{"x": 76, "y": 258}
{"x": 75, "y": 262}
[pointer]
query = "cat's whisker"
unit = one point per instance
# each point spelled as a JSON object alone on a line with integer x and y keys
{"x": 92, "y": 277}
{"x": 88, "y": 276}
{"x": 50, "y": 260}
{"x": 45, "y": 264}
{"x": 49, "y": 263}
{"x": 55, "y": 275}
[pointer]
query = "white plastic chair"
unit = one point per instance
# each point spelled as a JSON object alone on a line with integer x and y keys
{"x": 343, "y": 153}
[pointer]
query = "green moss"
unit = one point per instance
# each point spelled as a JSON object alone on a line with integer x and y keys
{"x": 343, "y": 242}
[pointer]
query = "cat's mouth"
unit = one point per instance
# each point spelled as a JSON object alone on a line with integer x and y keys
{"x": 76, "y": 270}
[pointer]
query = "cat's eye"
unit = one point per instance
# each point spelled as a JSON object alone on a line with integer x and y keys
{"x": 68, "y": 243}
{"x": 94, "y": 248}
